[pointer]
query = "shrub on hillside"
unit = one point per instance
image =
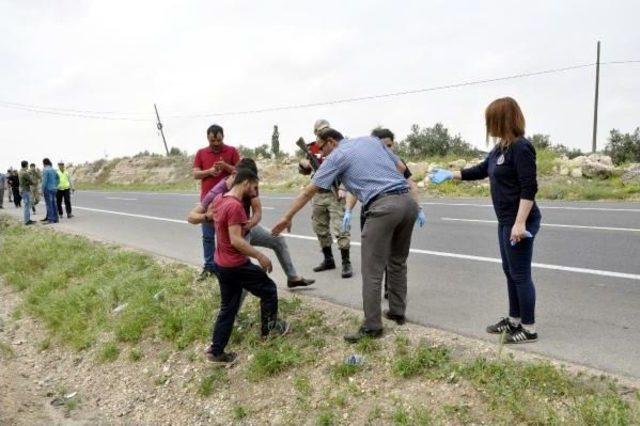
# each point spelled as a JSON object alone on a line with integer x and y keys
{"x": 624, "y": 147}
{"x": 434, "y": 141}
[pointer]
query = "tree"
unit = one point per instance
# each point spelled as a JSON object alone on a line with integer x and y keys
{"x": 434, "y": 141}
{"x": 275, "y": 142}
{"x": 624, "y": 147}
{"x": 540, "y": 141}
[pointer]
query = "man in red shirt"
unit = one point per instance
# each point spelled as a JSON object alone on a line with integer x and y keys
{"x": 235, "y": 271}
{"x": 211, "y": 165}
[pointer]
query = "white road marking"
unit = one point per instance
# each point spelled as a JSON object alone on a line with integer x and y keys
{"x": 542, "y": 207}
{"x": 551, "y": 225}
{"x": 139, "y": 216}
{"x": 600, "y": 272}
{"x": 121, "y": 198}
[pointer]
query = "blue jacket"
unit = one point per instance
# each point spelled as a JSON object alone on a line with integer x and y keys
{"x": 50, "y": 179}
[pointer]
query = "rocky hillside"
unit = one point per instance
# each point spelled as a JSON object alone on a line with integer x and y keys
{"x": 175, "y": 172}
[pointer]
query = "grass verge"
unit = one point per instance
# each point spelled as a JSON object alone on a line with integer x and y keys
{"x": 95, "y": 297}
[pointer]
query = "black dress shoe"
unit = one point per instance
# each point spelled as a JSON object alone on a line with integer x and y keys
{"x": 302, "y": 282}
{"x": 361, "y": 334}
{"x": 399, "y": 319}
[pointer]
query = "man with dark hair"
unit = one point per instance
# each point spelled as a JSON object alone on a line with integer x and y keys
{"x": 65, "y": 187}
{"x": 373, "y": 174}
{"x": 256, "y": 234}
{"x": 327, "y": 214}
{"x": 25, "y": 182}
{"x": 211, "y": 165}
{"x": 50, "y": 183}
{"x": 235, "y": 271}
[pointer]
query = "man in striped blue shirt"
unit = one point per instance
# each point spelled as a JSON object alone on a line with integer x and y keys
{"x": 371, "y": 172}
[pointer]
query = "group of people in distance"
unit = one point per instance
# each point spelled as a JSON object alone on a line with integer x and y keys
{"x": 25, "y": 186}
{"x": 367, "y": 170}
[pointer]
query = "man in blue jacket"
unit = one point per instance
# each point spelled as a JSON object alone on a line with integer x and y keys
{"x": 50, "y": 183}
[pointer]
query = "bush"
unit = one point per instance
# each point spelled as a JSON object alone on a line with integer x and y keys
{"x": 175, "y": 152}
{"x": 434, "y": 141}
{"x": 262, "y": 151}
{"x": 624, "y": 148}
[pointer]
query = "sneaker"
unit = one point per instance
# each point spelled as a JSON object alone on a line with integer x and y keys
{"x": 225, "y": 358}
{"x": 277, "y": 328}
{"x": 44, "y": 220}
{"x": 205, "y": 275}
{"x": 361, "y": 334}
{"x": 302, "y": 282}
{"x": 30, "y": 222}
{"x": 69, "y": 216}
{"x": 399, "y": 319}
{"x": 519, "y": 335}
{"x": 502, "y": 326}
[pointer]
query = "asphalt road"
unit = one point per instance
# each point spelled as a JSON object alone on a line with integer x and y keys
{"x": 587, "y": 266}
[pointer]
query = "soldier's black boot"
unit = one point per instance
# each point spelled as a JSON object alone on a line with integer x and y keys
{"x": 328, "y": 262}
{"x": 347, "y": 271}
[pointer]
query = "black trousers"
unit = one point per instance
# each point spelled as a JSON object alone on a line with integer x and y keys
{"x": 17, "y": 198}
{"x": 64, "y": 194}
{"x": 232, "y": 281}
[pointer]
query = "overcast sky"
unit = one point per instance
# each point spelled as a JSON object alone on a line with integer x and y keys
{"x": 193, "y": 57}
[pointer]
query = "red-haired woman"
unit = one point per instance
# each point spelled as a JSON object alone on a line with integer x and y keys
{"x": 511, "y": 168}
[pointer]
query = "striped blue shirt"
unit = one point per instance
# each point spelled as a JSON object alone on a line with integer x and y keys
{"x": 364, "y": 165}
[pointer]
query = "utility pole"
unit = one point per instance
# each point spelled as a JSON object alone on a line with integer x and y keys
{"x": 595, "y": 106}
{"x": 162, "y": 132}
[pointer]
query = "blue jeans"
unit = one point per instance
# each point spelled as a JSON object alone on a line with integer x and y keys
{"x": 50, "y": 201}
{"x": 26, "y": 206}
{"x": 516, "y": 264}
{"x": 209, "y": 245}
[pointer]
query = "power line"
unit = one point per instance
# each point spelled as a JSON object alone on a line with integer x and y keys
{"x": 69, "y": 114}
{"x": 106, "y": 115}
{"x": 80, "y": 111}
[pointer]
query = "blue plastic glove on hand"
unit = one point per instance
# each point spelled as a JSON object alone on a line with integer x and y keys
{"x": 346, "y": 221}
{"x": 439, "y": 175}
{"x": 527, "y": 234}
{"x": 422, "y": 219}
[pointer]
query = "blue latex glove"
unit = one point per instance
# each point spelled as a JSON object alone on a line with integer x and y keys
{"x": 346, "y": 221}
{"x": 527, "y": 234}
{"x": 422, "y": 219}
{"x": 439, "y": 175}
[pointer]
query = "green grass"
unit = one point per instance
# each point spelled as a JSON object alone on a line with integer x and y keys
{"x": 240, "y": 412}
{"x": 6, "y": 351}
{"x": 430, "y": 361}
{"x": 212, "y": 381}
{"x": 75, "y": 295}
{"x": 532, "y": 392}
{"x": 109, "y": 352}
{"x": 326, "y": 418}
{"x": 276, "y": 356}
{"x": 343, "y": 371}
{"x": 135, "y": 355}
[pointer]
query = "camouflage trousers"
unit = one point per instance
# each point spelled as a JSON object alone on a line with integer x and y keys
{"x": 35, "y": 195}
{"x": 327, "y": 219}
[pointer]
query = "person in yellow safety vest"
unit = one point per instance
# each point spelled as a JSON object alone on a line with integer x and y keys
{"x": 65, "y": 187}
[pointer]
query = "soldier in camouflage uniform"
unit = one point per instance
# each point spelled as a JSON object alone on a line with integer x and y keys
{"x": 327, "y": 219}
{"x": 36, "y": 177}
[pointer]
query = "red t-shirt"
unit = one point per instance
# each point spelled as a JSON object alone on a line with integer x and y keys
{"x": 206, "y": 158}
{"x": 227, "y": 210}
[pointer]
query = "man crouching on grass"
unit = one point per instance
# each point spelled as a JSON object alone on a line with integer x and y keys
{"x": 235, "y": 271}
